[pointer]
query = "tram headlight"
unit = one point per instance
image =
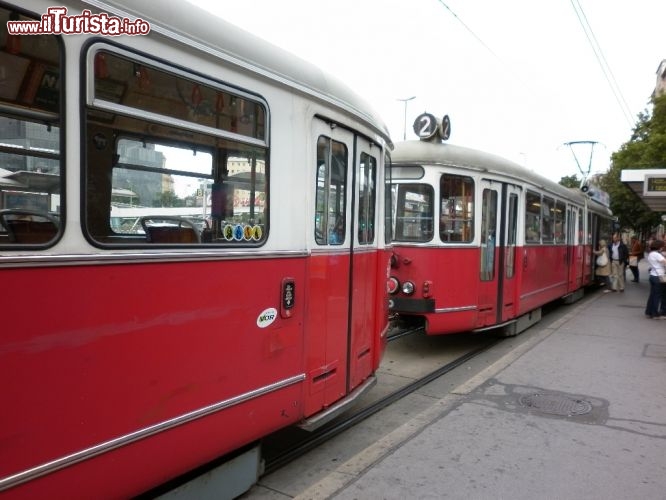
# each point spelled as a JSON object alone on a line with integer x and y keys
{"x": 408, "y": 288}
{"x": 393, "y": 285}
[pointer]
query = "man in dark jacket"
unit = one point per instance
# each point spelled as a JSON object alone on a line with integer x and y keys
{"x": 619, "y": 254}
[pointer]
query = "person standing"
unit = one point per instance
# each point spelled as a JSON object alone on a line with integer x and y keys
{"x": 603, "y": 264}
{"x": 619, "y": 254}
{"x": 655, "y": 308}
{"x": 635, "y": 256}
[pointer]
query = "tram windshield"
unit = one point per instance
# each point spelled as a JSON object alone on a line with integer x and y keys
{"x": 414, "y": 219}
{"x": 415, "y": 210}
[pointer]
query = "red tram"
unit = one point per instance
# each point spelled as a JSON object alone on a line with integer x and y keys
{"x": 192, "y": 246}
{"x": 480, "y": 242}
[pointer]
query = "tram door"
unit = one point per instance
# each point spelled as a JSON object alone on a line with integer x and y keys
{"x": 575, "y": 251}
{"x": 338, "y": 343}
{"x": 499, "y": 228}
{"x": 488, "y": 264}
{"x": 508, "y": 296}
{"x": 364, "y": 276}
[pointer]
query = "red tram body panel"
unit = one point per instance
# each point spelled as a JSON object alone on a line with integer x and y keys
{"x": 194, "y": 256}
{"x": 480, "y": 242}
{"x": 89, "y": 374}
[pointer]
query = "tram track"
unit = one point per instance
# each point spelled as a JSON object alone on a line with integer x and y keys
{"x": 320, "y": 436}
{"x": 403, "y": 333}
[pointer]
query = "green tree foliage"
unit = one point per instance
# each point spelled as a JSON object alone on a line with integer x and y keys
{"x": 645, "y": 149}
{"x": 570, "y": 181}
{"x": 168, "y": 199}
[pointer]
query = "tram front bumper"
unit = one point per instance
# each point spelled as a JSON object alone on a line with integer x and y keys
{"x": 413, "y": 306}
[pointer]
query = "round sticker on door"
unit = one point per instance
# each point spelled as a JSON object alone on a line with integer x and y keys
{"x": 266, "y": 317}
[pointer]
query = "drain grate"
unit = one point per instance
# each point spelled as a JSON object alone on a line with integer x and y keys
{"x": 554, "y": 404}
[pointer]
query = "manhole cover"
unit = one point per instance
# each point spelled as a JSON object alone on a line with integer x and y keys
{"x": 556, "y": 405}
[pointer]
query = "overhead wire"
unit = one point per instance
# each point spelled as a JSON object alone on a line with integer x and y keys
{"x": 528, "y": 88}
{"x": 603, "y": 63}
{"x": 594, "y": 44}
{"x": 469, "y": 29}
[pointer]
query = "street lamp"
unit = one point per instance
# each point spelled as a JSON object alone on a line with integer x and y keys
{"x": 406, "y": 100}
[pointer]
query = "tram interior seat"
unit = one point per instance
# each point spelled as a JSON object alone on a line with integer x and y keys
{"x": 28, "y": 226}
{"x": 165, "y": 229}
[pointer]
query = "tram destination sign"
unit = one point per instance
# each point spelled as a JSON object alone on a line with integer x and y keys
{"x": 654, "y": 185}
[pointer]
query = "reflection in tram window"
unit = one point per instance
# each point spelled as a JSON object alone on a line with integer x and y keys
{"x": 30, "y": 173}
{"x": 456, "y": 222}
{"x": 331, "y": 197}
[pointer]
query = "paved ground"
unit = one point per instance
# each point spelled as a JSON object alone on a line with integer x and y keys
{"x": 577, "y": 411}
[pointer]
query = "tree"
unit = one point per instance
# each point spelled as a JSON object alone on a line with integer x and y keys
{"x": 645, "y": 149}
{"x": 168, "y": 198}
{"x": 570, "y": 181}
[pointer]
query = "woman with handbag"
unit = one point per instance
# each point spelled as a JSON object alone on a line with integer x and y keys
{"x": 656, "y": 308}
{"x": 603, "y": 269}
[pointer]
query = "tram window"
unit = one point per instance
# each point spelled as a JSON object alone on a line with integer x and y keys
{"x": 547, "y": 220}
{"x": 511, "y": 233}
{"x": 532, "y": 218}
{"x": 30, "y": 153}
{"x": 560, "y": 229}
{"x": 367, "y": 196}
{"x": 407, "y": 172}
{"x": 175, "y": 187}
{"x": 606, "y": 229}
{"x": 331, "y": 196}
{"x": 456, "y": 221}
{"x": 145, "y": 86}
{"x": 388, "y": 204}
{"x": 414, "y": 212}
{"x": 488, "y": 234}
{"x": 151, "y": 179}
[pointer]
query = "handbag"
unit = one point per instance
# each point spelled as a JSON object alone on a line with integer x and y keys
{"x": 633, "y": 261}
{"x": 602, "y": 260}
{"x": 662, "y": 278}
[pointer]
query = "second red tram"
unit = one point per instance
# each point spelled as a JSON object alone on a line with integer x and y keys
{"x": 481, "y": 242}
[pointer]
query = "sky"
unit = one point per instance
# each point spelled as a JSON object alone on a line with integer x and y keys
{"x": 518, "y": 78}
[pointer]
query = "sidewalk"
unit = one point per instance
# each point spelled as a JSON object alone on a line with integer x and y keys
{"x": 578, "y": 411}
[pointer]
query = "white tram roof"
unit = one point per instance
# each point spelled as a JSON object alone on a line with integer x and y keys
{"x": 450, "y": 155}
{"x": 191, "y": 25}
